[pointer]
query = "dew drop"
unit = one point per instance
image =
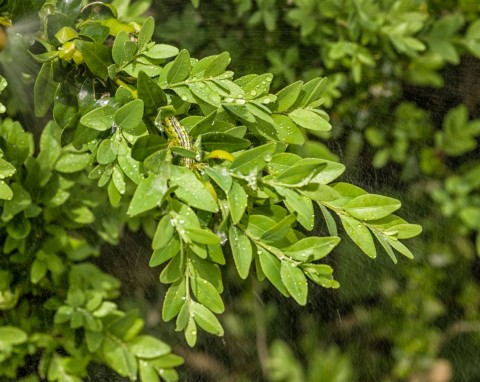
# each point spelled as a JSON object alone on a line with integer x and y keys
{"x": 240, "y": 101}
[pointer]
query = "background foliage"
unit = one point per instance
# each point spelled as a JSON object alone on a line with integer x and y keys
{"x": 402, "y": 101}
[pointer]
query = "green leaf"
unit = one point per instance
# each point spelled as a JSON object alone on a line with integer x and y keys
{"x": 223, "y": 141}
{"x": 96, "y": 56}
{"x": 287, "y": 130}
{"x": 163, "y": 233}
{"x": 38, "y": 271}
{"x": 118, "y": 47}
{"x": 161, "y": 51}
{"x": 311, "y": 91}
{"x": 147, "y": 145}
{"x": 279, "y": 230}
{"x": 258, "y": 85}
{"x": 119, "y": 358}
{"x": 202, "y": 235}
{"x": 149, "y": 194}
{"x": 271, "y": 268}
{"x": 166, "y": 252}
{"x": 129, "y": 117}
{"x": 147, "y": 373}
{"x": 206, "y": 319}
{"x": 371, "y": 207}
{"x": 191, "y": 332}
{"x": 287, "y": 96}
{"x": 6, "y": 169}
{"x": 239, "y": 111}
{"x": 237, "y": 202}
{"x": 146, "y": 33}
{"x": 191, "y": 190}
{"x": 180, "y": 68}
{"x": 205, "y": 93}
{"x": 44, "y": 89}
{"x": 174, "y": 270}
{"x": 308, "y": 119}
{"x": 241, "y": 251}
{"x": 300, "y": 204}
{"x": 221, "y": 176}
{"x": 207, "y": 295}
{"x": 360, "y": 235}
{"x": 295, "y": 282}
{"x": 385, "y": 244}
{"x": 400, "y": 247}
{"x": 174, "y": 300}
{"x": 6, "y": 192}
{"x": 311, "y": 248}
{"x": 106, "y": 152}
{"x": 71, "y": 162}
{"x": 320, "y": 274}
{"x": 329, "y": 220}
{"x": 151, "y": 94}
{"x": 218, "y": 65}
{"x": 301, "y": 173}
{"x": 19, "y": 202}
{"x": 100, "y": 119}
{"x": 253, "y": 159}
{"x": 148, "y": 347}
{"x": 12, "y": 335}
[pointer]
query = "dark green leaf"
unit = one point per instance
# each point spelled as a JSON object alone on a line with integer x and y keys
{"x": 44, "y": 89}
{"x": 97, "y": 57}
{"x": 151, "y": 94}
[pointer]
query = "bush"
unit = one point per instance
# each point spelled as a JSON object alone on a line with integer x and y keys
{"x": 219, "y": 174}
